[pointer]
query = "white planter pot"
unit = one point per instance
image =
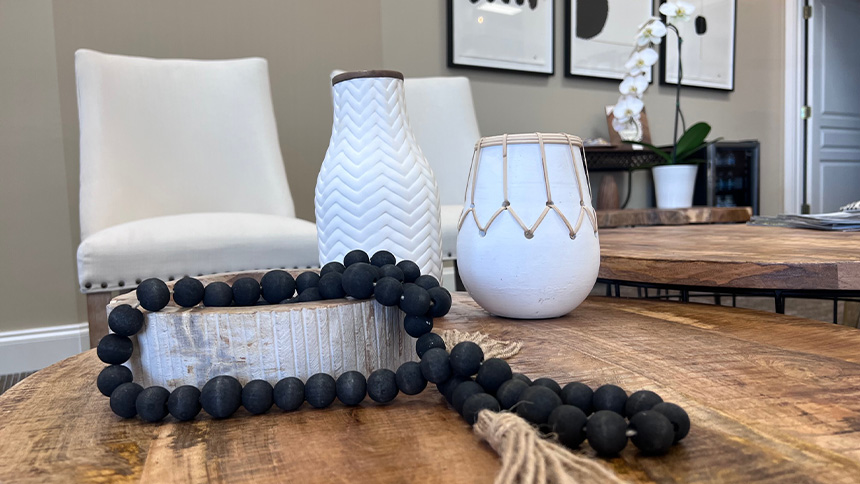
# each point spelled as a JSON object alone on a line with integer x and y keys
{"x": 375, "y": 190}
{"x": 527, "y": 245}
{"x": 674, "y": 184}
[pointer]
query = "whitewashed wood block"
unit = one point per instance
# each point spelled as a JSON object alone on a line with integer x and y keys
{"x": 179, "y": 346}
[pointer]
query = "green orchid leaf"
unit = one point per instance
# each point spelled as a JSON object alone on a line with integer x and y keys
{"x": 693, "y": 137}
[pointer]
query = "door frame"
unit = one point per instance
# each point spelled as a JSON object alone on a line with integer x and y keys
{"x": 795, "y": 66}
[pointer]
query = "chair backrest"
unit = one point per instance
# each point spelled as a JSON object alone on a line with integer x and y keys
{"x": 442, "y": 116}
{"x": 169, "y": 136}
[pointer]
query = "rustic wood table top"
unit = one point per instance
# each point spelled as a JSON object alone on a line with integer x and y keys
{"x": 772, "y": 398}
{"x": 607, "y": 219}
{"x": 732, "y": 255}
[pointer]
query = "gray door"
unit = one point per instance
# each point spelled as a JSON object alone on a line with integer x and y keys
{"x": 834, "y": 134}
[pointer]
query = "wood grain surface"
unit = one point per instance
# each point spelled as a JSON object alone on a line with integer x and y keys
{"x": 772, "y": 398}
{"x": 732, "y": 255}
{"x": 607, "y": 219}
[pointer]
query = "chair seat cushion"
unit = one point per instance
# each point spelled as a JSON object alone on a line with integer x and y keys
{"x": 450, "y": 219}
{"x": 193, "y": 244}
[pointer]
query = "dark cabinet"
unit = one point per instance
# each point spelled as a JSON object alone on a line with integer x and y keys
{"x": 730, "y": 178}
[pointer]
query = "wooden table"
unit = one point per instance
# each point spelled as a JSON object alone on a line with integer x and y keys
{"x": 772, "y": 398}
{"x": 607, "y": 219}
{"x": 735, "y": 258}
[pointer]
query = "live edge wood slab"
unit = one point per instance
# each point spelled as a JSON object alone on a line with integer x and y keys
{"x": 772, "y": 398}
{"x": 732, "y": 255}
{"x": 629, "y": 217}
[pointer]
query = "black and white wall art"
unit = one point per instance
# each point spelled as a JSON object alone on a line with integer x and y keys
{"x": 600, "y": 34}
{"x": 501, "y": 34}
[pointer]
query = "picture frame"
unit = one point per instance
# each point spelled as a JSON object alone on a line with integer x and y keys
{"x": 516, "y": 36}
{"x": 599, "y": 36}
{"x": 708, "y": 51}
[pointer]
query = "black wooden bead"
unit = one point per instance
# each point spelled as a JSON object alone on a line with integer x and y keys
{"x": 289, "y": 394}
{"x": 320, "y": 390}
{"x": 609, "y": 397}
{"x": 277, "y": 286}
{"x": 429, "y": 340}
{"x": 411, "y": 271}
{"x": 447, "y": 387}
{"x": 549, "y": 383}
{"x": 391, "y": 270}
{"x": 388, "y": 291}
{"x": 332, "y": 267}
{"x": 331, "y": 285}
{"x": 123, "y": 398}
{"x": 435, "y": 365}
{"x": 509, "y": 393}
{"x": 309, "y": 294}
{"x": 358, "y": 280}
{"x": 466, "y": 358}
{"x": 217, "y": 295}
{"x": 257, "y": 396}
{"x": 246, "y": 292}
{"x": 606, "y": 432}
{"x": 125, "y": 320}
{"x": 351, "y": 387}
{"x": 640, "y": 401}
{"x": 462, "y": 393}
{"x": 440, "y": 301}
{"x": 188, "y": 292}
{"x": 307, "y": 280}
{"x": 579, "y": 395}
{"x": 536, "y": 403}
{"x": 475, "y": 403}
{"x": 677, "y": 416}
{"x": 568, "y": 422}
{"x": 417, "y": 326}
{"x": 151, "y": 404}
{"x": 114, "y": 349}
{"x": 354, "y": 257}
{"x": 523, "y": 378}
{"x": 382, "y": 386}
{"x": 415, "y": 300}
{"x": 493, "y": 373}
{"x": 426, "y": 281}
{"x": 221, "y": 396}
{"x": 409, "y": 379}
{"x": 111, "y": 377}
{"x": 153, "y": 294}
{"x": 383, "y": 257}
{"x": 184, "y": 403}
{"x": 654, "y": 432}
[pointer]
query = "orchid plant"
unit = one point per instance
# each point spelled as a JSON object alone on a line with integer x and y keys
{"x": 628, "y": 109}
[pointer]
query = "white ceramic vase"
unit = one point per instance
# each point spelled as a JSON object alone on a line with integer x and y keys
{"x": 527, "y": 245}
{"x": 674, "y": 185}
{"x": 375, "y": 189}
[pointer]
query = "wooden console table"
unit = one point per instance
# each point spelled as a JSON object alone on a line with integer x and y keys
{"x": 771, "y": 398}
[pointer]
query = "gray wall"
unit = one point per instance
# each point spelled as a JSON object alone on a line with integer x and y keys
{"x": 303, "y": 42}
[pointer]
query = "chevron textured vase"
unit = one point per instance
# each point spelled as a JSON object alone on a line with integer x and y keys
{"x": 527, "y": 244}
{"x": 375, "y": 190}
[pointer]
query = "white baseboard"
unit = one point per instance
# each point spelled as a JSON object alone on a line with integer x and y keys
{"x": 36, "y": 348}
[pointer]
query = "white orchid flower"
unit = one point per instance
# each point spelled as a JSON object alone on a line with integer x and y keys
{"x": 627, "y": 108}
{"x": 621, "y": 126}
{"x": 640, "y": 61}
{"x": 652, "y": 32}
{"x": 677, "y": 11}
{"x": 633, "y": 86}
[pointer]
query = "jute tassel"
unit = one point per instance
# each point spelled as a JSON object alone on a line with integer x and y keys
{"x": 492, "y": 348}
{"x": 529, "y": 458}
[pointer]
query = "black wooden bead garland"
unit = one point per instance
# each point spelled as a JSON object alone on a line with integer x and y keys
{"x": 653, "y": 425}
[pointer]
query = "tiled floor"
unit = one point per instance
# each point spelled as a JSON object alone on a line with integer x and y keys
{"x": 6, "y": 381}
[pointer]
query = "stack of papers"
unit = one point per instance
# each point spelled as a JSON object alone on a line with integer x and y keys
{"x": 839, "y": 221}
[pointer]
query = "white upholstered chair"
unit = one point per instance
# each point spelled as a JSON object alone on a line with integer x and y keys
{"x": 181, "y": 174}
{"x": 442, "y": 116}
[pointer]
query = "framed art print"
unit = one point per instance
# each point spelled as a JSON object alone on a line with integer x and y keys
{"x": 600, "y": 35}
{"x": 708, "y": 49}
{"x": 513, "y": 35}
